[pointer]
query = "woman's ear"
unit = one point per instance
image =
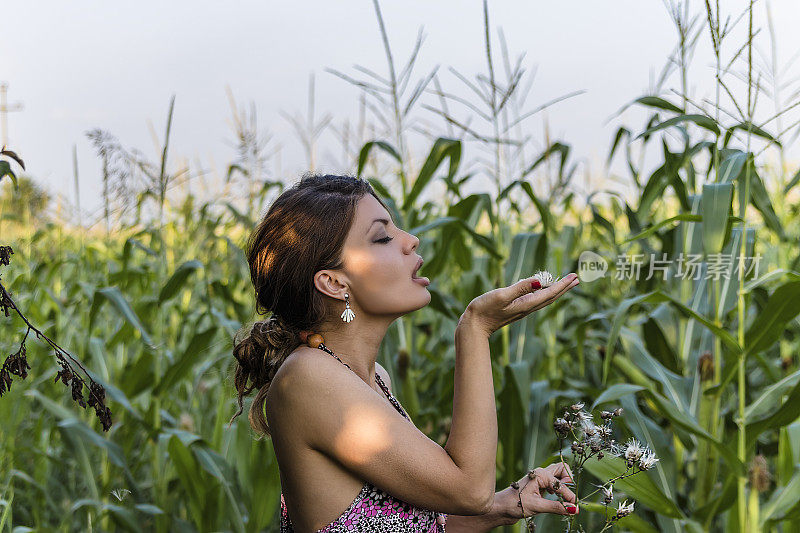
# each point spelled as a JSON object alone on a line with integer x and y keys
{"x": 330, "y": 283}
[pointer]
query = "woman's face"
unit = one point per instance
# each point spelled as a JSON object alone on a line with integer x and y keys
{"x": 379, "y": 260}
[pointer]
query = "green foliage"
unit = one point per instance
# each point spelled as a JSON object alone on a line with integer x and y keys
{"x": 27, "y": 200}
{"x": 705, "y": 368}
{"x": 185, "y": 311}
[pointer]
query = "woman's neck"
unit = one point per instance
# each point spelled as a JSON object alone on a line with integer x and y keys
{"x": 357, "y": 344}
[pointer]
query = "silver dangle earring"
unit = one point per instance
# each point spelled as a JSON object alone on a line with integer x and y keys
{"x": 347, "y": 315}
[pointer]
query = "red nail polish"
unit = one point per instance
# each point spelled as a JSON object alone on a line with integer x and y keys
{"x": 536, "y": 284}
{"x": 571, "y": 509}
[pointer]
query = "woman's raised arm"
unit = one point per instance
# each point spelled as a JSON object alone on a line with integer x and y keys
{"x": 472, "y": 442}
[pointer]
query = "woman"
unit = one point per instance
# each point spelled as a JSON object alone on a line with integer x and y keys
{"x": 335, "y": 272}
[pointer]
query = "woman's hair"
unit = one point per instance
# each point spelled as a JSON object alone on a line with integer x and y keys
{"x": 303, "y": 232}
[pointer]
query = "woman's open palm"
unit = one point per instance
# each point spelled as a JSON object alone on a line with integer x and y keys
{"x": 499, "y": 307}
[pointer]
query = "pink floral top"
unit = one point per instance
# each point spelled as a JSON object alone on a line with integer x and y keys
{"x": 374, "y": 510}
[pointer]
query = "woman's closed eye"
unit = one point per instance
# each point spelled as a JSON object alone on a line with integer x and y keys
{"x": 385, "y": 239}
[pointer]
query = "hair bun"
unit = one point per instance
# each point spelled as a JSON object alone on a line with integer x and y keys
{"x": 258, "y": 350}
{"x": 279, "y": 333}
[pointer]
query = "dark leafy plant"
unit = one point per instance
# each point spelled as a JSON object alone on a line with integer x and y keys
{"x": 17, "y": 363}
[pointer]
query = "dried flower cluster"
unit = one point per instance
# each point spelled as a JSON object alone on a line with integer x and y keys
{"x": 5, "y": 255}
{"x": 590, "y": 439}
{"x": 17, "y": 363}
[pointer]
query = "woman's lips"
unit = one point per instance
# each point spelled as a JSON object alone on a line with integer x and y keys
{"x": 422, "y": 280}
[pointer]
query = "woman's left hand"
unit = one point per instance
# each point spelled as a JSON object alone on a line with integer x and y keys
{"x": 550, "y": 479}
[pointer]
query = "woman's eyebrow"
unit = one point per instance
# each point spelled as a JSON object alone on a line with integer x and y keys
{"x": 384, "y": 220}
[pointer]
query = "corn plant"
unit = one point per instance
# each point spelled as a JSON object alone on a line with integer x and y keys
{"x": 703, "y": 366}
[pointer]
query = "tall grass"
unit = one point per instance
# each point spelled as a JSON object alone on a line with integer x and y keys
{"x": 704, "y": 368}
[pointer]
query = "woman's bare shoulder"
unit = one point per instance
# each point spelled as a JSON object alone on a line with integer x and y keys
{"x": 297, "y": 365}
{"x": 304, "y": 363}
{"x": 291, "y": 387}
{"x": 305, "y": 359}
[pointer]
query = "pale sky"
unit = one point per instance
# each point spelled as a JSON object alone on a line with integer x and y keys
{"x": 80, "y": 65}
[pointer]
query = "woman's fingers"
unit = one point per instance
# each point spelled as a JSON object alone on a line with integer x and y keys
{"x": 539, "y": 298}
{"x": 554, "y": 296}
{"x": 553, "y": 485}
{"x": 564, "y": 285}
{"x": 499, "y": 307}
{"x": 561, "y": 471}
{"x": 565, "y": 493}
{"x": 557, "y": 288}
{"x": 543, "y": 505}
{"x": 545, "y": 481}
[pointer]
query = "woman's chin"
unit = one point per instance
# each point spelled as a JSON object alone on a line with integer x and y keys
{"x": 428, "y": 299}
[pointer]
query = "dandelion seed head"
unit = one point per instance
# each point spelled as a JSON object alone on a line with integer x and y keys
{"x": 633, "y": 450}
{"x": 588, "y": 426}
{"x": 616, "y": 449}
{"x": 545, "y": 278}
{"x": 648, "y": 460}
{"x": 119, "y": 494}
{"x": 624, "y": 509}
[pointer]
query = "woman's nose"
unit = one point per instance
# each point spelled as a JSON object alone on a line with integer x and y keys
{"x": 414, "y": 242}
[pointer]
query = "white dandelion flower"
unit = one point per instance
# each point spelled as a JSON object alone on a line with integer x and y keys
{"x": 624, "y": 509}
{"x": 604, "y": 431}
{"x": 633, "y": 450}
{"x": 119, "y": 494}
{"x": 608, "y": 492}
{"x": 648, "y": 460}
{"x": 595, "y": 443}
{"x": 545, "y": 278}
{"x": 588, "y": 426}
